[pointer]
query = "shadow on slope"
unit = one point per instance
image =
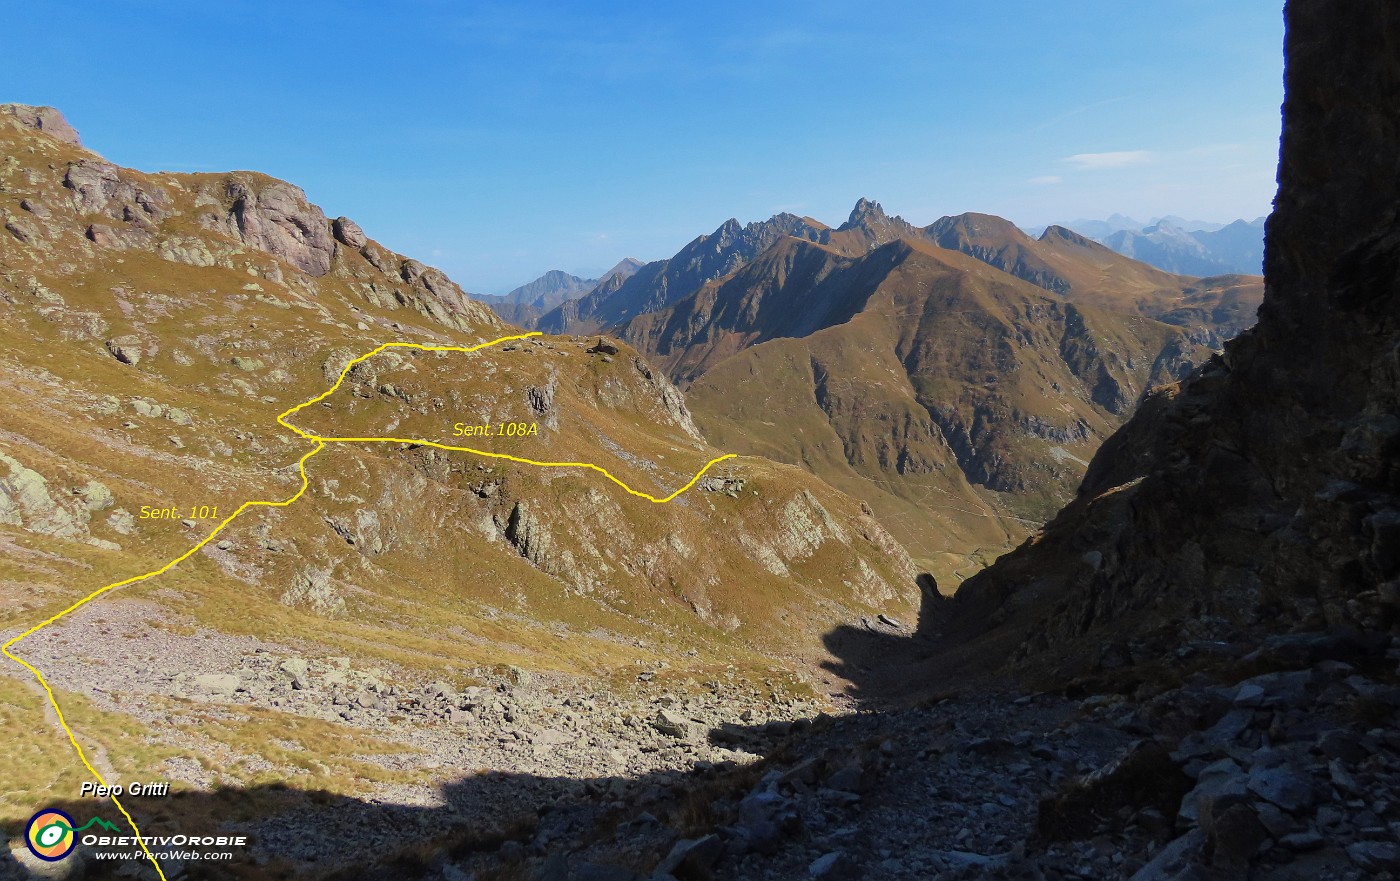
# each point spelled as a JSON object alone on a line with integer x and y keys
{"x": 886, "y": 664}
{"x": 493, "y": 825}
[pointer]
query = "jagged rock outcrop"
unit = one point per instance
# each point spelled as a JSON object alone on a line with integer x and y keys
{"x": 672, "y": 402}
{"x": 877, "y": 227}
{"x": 99, "y": 187}
{"x": 1261, "y": 493}
{"x": 45, "y": 119}
{"x": 26, "y": 500}
{"x": 663, "y": 282}
{"x": 313, "y": 589}
{"x": 529, "y": 535}
{"x": 275, "y": 217}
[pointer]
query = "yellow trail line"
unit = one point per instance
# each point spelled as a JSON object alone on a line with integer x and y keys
{"x": 320, "y": 444}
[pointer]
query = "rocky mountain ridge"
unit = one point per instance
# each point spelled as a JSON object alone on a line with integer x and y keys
{"x": 116, "y": 209}
{"x": 656, "y": 284}
{"x": 1042, "y": 348}
{"x": 1060, "y": 261}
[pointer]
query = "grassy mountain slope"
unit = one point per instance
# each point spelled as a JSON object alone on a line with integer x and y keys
{"x": 1085, "y": 272}
{"x": 154, "y": 326}
{"x": 959, "y": 401}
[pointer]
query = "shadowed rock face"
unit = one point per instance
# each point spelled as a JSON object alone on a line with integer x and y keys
{"x": 1261, "y": 492}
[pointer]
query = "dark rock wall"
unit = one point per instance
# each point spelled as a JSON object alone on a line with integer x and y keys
{"x": 1261, "y": 493}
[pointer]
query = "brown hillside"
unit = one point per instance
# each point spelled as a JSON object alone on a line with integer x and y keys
{"x": 1085, "y": 272}
{"x": 155, "y": 325}
{"x": 961, "y": 391}
{"x": 1021, "y": 436}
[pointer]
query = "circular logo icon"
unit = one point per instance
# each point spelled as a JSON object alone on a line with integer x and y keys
{"x": 50, "y": 835}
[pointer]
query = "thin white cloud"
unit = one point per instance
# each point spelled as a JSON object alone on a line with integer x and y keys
{"x": 1112, "y": 159}
{"x": 1045, "y": 180}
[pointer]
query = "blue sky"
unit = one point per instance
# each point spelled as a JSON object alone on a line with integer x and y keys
{"x": 501, "y": 140}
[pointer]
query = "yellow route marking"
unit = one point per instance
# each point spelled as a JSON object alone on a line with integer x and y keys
{"x": 589, "y": 465}
{"x": 320, "y": 443}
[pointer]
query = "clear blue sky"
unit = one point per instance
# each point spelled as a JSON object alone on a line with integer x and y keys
{"x": 500, "y": 140}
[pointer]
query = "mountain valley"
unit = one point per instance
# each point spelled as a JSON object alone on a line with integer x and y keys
{"x": 957, "y": 377}
{"x": 811, "y": 553}
{"x": 155, "y": 327}
{"x": 524, "y": 305}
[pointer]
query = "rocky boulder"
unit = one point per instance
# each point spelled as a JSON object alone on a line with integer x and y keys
{"x": 25, "y": 501}
{"x": 1144, "y": 777}
{"x": 126, "y": 349}
{"x": 348, "y": 233}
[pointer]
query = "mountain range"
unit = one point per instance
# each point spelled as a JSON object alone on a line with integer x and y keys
{"x": 411, "y": 662}
{"x": 524, "y": 305}
{"x": 956, "y": 377}
{"x": 1189, "y": 247}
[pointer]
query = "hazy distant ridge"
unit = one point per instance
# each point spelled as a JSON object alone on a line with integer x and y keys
{"x": 1185, "y": 247}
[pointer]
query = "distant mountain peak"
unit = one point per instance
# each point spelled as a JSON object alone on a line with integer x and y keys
{"x": 730, "y": 227}
{"x": 978, "y": 224}
{"x": 1055, "y": 231}
{"x": 1175, "y": 244}
{"x": 866, "y": 213}
{"x": 880, "y": 228}
{"x": 866, "y": 208}
{"x": 624, "y": 268}
{"x": 557, "y": 275}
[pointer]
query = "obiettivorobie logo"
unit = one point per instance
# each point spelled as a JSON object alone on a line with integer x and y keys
{"x": 51, "y": 835}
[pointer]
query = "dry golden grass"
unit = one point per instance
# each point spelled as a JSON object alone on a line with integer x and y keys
{"x": 449, "y": 594}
